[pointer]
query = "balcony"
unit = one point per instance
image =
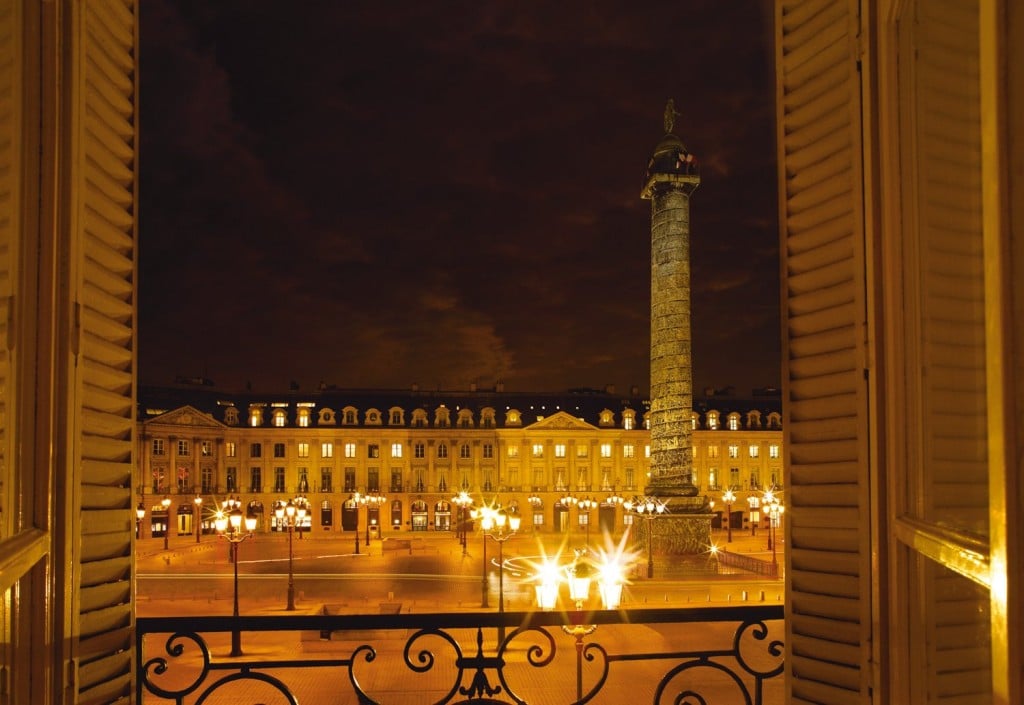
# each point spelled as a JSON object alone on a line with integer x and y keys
{"x": 699, "y": 654}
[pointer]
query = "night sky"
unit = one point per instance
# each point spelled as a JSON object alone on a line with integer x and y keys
{"x": 381, "y": 194}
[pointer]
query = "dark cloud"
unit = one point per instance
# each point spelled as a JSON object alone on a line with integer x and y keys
{"x": 381, "y": 194}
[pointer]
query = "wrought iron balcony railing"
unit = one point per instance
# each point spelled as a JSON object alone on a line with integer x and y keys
{"x": 688, "y": 655}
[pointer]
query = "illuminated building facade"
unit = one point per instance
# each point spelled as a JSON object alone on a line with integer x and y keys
{"x": 420, "y": 448}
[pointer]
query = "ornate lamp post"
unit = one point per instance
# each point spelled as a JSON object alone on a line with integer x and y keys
{"x": 579, "y": 575}
{"x": 774, "y": 509}
{"x": 648, "y": 508}
{"x": 462, "y": 500}
{"x": 285, "y": 514}
{"x": 199, "y": 516}
{"x": 585, "y": 505}
{"x": 140, "y": 514}
{"x": 229, "y": 528}
{"x": 301, "y": 510}
{"x": 728, "y": 497}
{"x": 536, "y": 503}
{"x": 166, "y": 504}
{"x": 499, "y": 526}
{"x": 755, "y": 516}
{"x": 372, "y": 499}
{"x": 568, "y": 501}
{"x": 228, "y": 506}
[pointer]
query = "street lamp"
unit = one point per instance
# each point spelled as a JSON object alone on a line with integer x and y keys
{"x": 462, "y": 501}
{"x": 229, "y": 528}
{"x": 373, "y": 499}
{"x": 140, "y": 514}
{"x": 199, "y": 516}
{"x": 774, "y": 509}
{"x": 499, "y": 526}
{"x": 755, "y": 516}
{"x": 226, "y": 507}
{"x": 166, "y": 504}
{"x": 285, "y": 514}
{"x": 648, "y": 508}
{"x": 579, "y": 575}
{"x": 568, "y": 501}
{"x": 585, "y": 505}
{"x": 728, "y": 497}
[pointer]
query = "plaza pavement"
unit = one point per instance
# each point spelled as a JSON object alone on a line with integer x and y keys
{"x": 390, "y": 678}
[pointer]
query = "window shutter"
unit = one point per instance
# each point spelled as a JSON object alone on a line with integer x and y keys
{"x": 828, "y": 609}
{"x": 103, "y": 250}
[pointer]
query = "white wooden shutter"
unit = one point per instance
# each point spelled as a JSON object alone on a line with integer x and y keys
{"x": 102, "y": 365}
{"x": 828, "y": 608}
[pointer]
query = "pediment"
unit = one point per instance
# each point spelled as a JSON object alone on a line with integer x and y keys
{"x": 186, "y": 416}
{"x": 562, "y": 421}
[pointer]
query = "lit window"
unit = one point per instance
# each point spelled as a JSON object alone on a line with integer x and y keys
{"x": 538, "y": 450}
{"x": 606, "y": 450}
{"x": 627, "y": 450}
{"x": 734, "y": 422}
{"x": 350, "y": 450}
{"x": 773, "y": 451}
{"x": 158, "y": 446}
{"x": 280, "y": 418}
{"x": 712, "y": 451}
{"x": 629, "y": 419}
{"x": 303, "y": 418}
{"x": 303, "y": 450}
{"x": 255, "y": 417}
{"x": 513, "y": 451}
{"x": 734, "y": 451}
{"x": 647, "y": 451}
{"x": 327, "y": 450}
{"x": 581, "y": 450}
{"x": 755, "y": 451}
{"x": 713, "y": 420}
{"x": 183, "y": 447}
{"x": 396, "y": 450}
{"x": 230, "y": 449}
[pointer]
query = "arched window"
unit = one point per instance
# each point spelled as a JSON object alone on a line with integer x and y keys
{"x": 280, "y": 418}
{"x": 442, "y": 450}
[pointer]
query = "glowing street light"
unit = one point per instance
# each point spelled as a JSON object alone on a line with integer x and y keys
{"x": 199, "y": 515}
{"x": 585, "y": 505}
{"x": 500, "y": 526}
{"x": 286, "y": 515}
{"x": 371, "y": 499}
{"x": 462, "y": 501}
{"x": 648, "y": 508}
{"x": 229, "y": 528}
{"x": 728, "y": 497}
{"x": 166, "y": 504}
{"x": 140, "y": 514}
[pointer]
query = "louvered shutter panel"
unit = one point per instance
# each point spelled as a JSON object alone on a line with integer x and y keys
{"x": 828, "y": 609}
{"x": 103, "y": 244}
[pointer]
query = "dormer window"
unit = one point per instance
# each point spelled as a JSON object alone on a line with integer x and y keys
{"x": 628, "y": 419}
{"x": 606, "y": 418}
{"x": 712, "y": 420}
{"x": 280, "y": 418}
{"x": 255, "y": 416}
{"x": 442, "y": 417}
{"x": 396, "y": 417}
{"x": 465, "y": 418}
{"x": 487, "y": 418}
{"x": 348, "y": 417}
{"x": 302, "y": 419}
{"x": 326, "y": 417}
{"x": 734, "y": 421}
{"x": 373, "y": 417}
{"x": 513, "y": 418}
{"x": 231, "y": 416}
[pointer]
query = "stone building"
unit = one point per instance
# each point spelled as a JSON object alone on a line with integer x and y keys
{"x": 419, "y": 448}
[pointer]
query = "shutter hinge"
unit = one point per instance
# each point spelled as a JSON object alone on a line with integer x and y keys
{"x": 9, "y": 340}
{"x": 71, "y": 674}
{"x": 76, "y": 332}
